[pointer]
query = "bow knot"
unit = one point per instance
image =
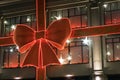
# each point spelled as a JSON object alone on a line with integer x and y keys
{"x": 39, "y": 34}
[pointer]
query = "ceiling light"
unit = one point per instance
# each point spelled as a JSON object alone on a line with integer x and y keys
{"x": 5, "y": 22}
{"x": 58, "y": 17}
{"x": 69, "y": 75}
{"x": 61, "y": 60}
{"x": 13, "y": 27}
{"x": 17, "y": 78}
{"x": 69, "y": 58}
{"x": 86, "y": 41}
{"x": 28, "y": 19}
{"x": 105, "y": 5}
{"x": 108, "y": 53}
{"x": 68, "y": 41}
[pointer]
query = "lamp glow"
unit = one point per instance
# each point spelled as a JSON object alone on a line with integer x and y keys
{"x": 17, "y": 78}
{"x": 61, "y": 60}
{"x": 86, "y": 41}
{"x": 68, "y": 41}
{"x": 5, "y": 22}
{"x": 69, "y": 75}
{"x": 105, "y": 5}
{"x": 69, "y": 58}
{"x": 13, "y": 27}
{"x": 58, "y": 17}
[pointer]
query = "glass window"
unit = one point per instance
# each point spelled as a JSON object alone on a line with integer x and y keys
{"x": 12, "y": 58}
{"x": 112, "y": 13}
{"x": 75, "y": 52}
{"x": 113, "y": 48}
{"x": 77, "y": 16}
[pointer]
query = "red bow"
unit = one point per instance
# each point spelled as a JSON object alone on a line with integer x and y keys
{"x": 39, "y": 45}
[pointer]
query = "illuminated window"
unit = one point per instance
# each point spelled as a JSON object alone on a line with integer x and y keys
{"x": 112, "y": 13}
{"x": 10, "y": 23}
{"x": 11, "y": 57}
{"x": 77, "y": 16}
{"x": 113, "y": 49}
{"x": 75, "y": 52}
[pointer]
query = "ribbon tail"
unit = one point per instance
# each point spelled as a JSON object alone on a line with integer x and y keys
{"x": 41, "y": 73}
{"x": 32, "y": 56}
{"x": 48, "y": 54}
{"x": 6, "y": 41}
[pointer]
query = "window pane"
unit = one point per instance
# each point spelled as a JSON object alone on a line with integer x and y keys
{"x": 13, "y": 61}
{"x": 71, "y": 12}
{"x": 65, "y": 13}
{"x": 75, "y": 21}
{"x": 107, "y": 18}
{"x": 107, "y": 8}
{"x": 116, "y": 51}
{"x": 110, "y": 52}
{"x": 84, "y": 21}
{"x": 76, "y": 55}
{"x": 64, "y": 55}
{"x": 85, "y": 54}
{"x": 113, "y": 6}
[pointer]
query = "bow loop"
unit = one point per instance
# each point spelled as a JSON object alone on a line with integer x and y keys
{"x": 23, "y": 36}
{"x": 58, "y": 32}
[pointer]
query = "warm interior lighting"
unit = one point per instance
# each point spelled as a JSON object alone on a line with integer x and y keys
{"x": 17, "y": 78}
{"x": 69, "y": 75}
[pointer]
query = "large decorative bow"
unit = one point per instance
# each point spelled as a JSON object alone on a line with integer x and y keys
{"x": 39, "y": 44}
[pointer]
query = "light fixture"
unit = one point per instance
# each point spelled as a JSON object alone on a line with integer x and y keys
{"x": 11, "y": 50}
{"x": 5, "y": 22}
{"x": 28, "y": 19}
{"x": 97, "y": 78}
{"x": 68, "y": 41}
{"x": 58, "y": 17}
{"x": 17, "y": 47}
{"x": 69, "y": 58}
{"x": 69, "y": 75}
{"x": 17, "y": 78}
{"x": 86, "y": 41}
{"x": 108, "y": 53}
{"x": 61, "y": 60}
{"x": 105, "y": 5}
{"x": 13, "y": 27}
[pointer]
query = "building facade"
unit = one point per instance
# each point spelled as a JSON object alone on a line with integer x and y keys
{"x": 83, "y": 58}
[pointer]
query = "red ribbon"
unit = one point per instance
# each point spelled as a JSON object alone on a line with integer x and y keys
{"x": 39, "y": 44}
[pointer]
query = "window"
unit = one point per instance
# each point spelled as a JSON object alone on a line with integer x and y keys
{"x": 75, "y": 52}
{"x": 113, "y": 48}
{"x": 12, "y": 58}
{"x": 77, "y": 16}
{"x": 112, "y": 13}
{"x": 10, "y": 23}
